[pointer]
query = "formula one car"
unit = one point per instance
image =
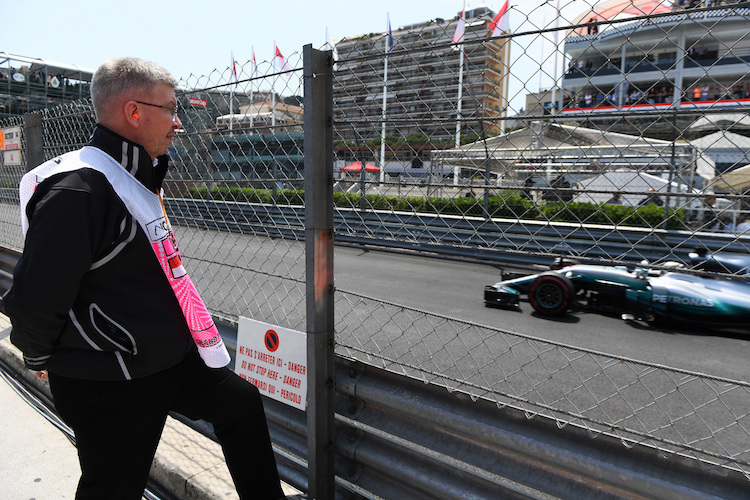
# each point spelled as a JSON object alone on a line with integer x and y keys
{"x": 638, "y": 293}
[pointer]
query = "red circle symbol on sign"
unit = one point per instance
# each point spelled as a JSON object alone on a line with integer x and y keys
{"x": 272, "y": 340}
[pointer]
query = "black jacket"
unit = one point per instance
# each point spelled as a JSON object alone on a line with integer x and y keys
{"x": 89, "y": 298}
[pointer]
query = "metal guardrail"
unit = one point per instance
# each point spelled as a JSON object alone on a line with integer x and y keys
{"x": 397, "y": 437}
{"x": 504, "y": 241}
{"x": 400, "y": 438}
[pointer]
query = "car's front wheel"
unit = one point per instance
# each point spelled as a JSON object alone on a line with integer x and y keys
{"x": 551, "y": 294}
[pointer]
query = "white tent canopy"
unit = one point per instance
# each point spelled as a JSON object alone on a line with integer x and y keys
{"x": 571, "y": 150}
{"x": 724, "y": 121}
{"x": 722, "y": 140}
{"x": 735, "y": 180}
{"x": 599, "y": 189}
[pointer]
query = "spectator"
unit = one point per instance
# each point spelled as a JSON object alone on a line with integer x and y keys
{"x": 526, "y": 192}
{"x": 711, "y": 221}
{"x": 727, "y": 225}
{"x": 591, "y": 29}
{"x": 743, "y": 227}
{"x": 561, "y": 191}
{"x": 651, "y": 199}
{"x": 616, "y": 199}
{"x": 119, "y": 329}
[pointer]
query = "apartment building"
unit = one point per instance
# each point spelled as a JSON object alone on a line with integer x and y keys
{"x": 422, "y": 85}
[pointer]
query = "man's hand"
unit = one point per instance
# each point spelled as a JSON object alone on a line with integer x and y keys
{"x": 43, "y": 375}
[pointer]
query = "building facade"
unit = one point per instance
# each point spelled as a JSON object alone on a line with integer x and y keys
{"x": 423, "y": 83}
{"x": 682, "y": 59}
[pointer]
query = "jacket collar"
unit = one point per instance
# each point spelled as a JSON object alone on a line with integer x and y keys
{"x": 132, "y": 157}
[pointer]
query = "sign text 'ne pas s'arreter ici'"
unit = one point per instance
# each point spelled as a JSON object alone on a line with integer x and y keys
{"x": 274, "y": 359}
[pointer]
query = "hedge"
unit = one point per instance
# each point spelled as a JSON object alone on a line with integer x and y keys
{"x": 509, "y": 205}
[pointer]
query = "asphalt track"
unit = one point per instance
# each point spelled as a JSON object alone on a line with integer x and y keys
{"x": 445, "y": 287}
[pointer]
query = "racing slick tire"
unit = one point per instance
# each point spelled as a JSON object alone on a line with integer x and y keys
{"x": 551, "y": 294}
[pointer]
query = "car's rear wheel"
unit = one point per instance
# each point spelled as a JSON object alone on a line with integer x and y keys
{"x": 551, "y": 294}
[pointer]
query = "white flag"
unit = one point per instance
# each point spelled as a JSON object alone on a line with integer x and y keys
{"x": 332, "y": 48}
{"x": 499, "y": 23}
{"x": 458, "y": 35}
{"x": 281, "y": 63}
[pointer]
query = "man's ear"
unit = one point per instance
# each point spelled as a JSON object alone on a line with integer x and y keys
{"x": 131, "y": 114}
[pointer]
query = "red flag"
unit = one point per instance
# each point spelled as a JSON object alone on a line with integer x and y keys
{"x": 280, "y": 62}
{"x": 499, "y": 23}
{"x": 458, "y": 35}
{"x": 234, "y": 68}
{"x": 254, "y": 67}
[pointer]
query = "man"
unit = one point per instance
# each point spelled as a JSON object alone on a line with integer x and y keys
{"x": 651, "y": 199}
{"x": 616, "y": 199}
{"x": 98, "y": 301}
{"x": 711, "y": 220}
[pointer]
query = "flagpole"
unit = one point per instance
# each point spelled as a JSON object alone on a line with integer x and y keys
{"x": 555, "y": 39}
{"x": 499, "y": 26}
{"x": 457, "y": 169}
{"x": 459, "y": 33}
{"x": 252, "y": 75}
{"x": 505, "y": 85}
{"x": 273, "y": 93}
{"x": 385, "y": 98}
{"x": 231, "y": 97}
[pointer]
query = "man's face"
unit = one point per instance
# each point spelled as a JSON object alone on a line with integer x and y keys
{"x": 158, "y": 124}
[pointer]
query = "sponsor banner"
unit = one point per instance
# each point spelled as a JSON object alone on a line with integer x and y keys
{"x": 198, "y": 103}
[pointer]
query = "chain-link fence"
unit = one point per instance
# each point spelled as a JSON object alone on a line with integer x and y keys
{"x": 622, "y": 157}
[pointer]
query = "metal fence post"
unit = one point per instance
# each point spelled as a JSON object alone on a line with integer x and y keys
{"x": 318, "y": 149}
{"x": 34, "y": 135}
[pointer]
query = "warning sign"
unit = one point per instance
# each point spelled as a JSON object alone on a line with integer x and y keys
{"x": 11, "y": 144}
{"x": 11, "y": 138}
{"x": 274, "y": 359}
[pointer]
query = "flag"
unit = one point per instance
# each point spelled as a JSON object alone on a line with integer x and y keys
{"x": 499, "y": 23}
{"x": 253, "y": 66}
{"x": 234, "y": 68}
{"x": 281, "y": 63}
{"x": 332, "y": 48}
{"x": 390, "y": 35}
{"x": 458, "y": 35}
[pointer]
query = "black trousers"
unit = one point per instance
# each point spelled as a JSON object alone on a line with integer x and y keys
{"x": 118, "y": 425}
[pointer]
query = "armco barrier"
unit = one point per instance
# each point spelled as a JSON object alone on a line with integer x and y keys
{"x": 399, "y": 438}
{"x": 499, "y": 240}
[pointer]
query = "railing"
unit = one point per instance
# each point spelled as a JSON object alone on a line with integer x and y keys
{"x": 506, "y": 241}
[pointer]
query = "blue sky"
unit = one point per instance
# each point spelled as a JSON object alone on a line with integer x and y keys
{"x": 191, "y": 37}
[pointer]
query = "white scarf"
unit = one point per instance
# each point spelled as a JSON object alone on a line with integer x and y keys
{"x": 147, "y": 208}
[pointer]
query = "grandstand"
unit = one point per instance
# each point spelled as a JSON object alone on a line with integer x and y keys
{"x": 29, "y": 84}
